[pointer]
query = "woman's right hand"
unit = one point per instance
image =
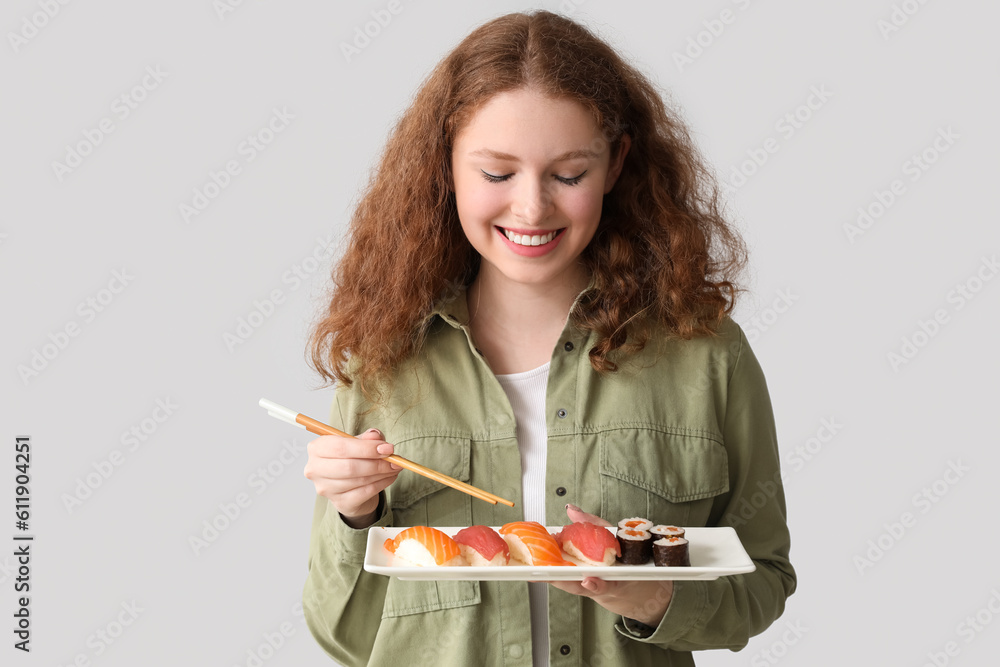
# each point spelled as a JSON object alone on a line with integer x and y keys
{"x": 351, "y": 472}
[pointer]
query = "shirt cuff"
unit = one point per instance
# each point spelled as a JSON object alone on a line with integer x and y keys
{"x": 687, "y": 604}
{"x": 354, "y": 541}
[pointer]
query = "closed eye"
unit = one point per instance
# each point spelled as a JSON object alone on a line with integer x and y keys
{"x": 500, "y": 179}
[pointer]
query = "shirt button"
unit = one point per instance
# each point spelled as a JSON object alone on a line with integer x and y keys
{"x": 561, "y": 413}
{"x": 568, "y": 346}
{"x": 516, "y": 651}
{"x": 564, "y": 649}
{"x": 561, "y": 491}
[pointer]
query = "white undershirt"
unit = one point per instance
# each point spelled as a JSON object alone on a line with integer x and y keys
{"x": 526, "y": 393}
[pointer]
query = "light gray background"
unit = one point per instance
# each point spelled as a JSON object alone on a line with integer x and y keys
{"x": 162, "y": 337}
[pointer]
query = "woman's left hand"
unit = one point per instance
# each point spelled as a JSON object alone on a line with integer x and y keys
{"x": 643, "y": 601}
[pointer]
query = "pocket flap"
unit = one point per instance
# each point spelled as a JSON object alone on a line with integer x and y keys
{"x": 447, "y": 455}
{"x": 676, "y": 466}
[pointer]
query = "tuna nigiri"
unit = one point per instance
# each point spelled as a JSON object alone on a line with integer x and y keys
{"x": 481, "y": 546}
{"x": 531, "y": 543}
{"x": 425, "y": 546}
{"x": 593, "y": 544}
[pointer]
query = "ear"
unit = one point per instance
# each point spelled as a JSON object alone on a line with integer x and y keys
{"x": 617, "y": 162}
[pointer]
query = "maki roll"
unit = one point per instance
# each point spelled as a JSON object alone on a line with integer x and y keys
{"x": 482, "y": 546}
{"x": 425, "y": 547}
{"x": 636, "y": 546}
{"x": 666, "y": 531}
{"x": 671, "y": 552}
{"x": 589, "y": 543}
{"x": 635, "y": 523}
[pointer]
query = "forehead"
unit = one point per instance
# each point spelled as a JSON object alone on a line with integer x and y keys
{"x": 514, "y": 123}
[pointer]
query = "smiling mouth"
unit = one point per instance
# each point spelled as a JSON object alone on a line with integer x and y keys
{"x": 530, "y": 239}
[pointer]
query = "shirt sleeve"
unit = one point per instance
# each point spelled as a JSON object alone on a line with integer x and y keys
{"x": 342, "y": 602}
{"x": 726, "y": 612}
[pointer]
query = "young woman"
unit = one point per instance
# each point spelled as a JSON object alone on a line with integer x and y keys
{"x": 535, "y": 300}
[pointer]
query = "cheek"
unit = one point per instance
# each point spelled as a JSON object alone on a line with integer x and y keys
{"x": 583, "y": 207}
{"x": 476, "y": 203}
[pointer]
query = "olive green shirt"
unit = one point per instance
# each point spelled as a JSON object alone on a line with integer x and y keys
{"x": 682, "y": 434}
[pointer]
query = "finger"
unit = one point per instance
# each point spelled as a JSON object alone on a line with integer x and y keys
{"x": 576, "y": 514}
{"x": 345, "y": 486}
{"x": 345, "y": 469}
{"x": 596, "y": 587}
{"x": 573, "y": 587}
{"x": 360, "y": 495}
{"x": 337, "y": 447}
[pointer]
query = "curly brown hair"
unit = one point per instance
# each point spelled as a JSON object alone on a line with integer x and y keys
{"x": 663, "y": 254}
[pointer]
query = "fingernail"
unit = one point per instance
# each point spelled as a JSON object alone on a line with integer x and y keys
{"x": 384, "y": 449}
{"x": 571, "y": 506}
{"x": 373, "y": 430}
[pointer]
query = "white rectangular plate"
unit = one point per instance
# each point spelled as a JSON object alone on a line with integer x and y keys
{"x": 714, "y": 552}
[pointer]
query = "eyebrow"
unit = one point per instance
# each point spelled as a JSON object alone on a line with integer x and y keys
{"x": 568, "y": 155}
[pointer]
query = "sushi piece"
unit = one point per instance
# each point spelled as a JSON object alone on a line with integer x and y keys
{"x": 671, "y": 552}
{"x": 636, "y": 546}
{"x": 635, "y": 523}
{"x": 590, "y": 543}
{"x": 666, "y": 531}
{"x": 481, "y": 546}
{"x": 425, "y": 547}
{"x": 531, "y": 543}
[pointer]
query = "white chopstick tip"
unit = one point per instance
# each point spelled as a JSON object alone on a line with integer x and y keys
{"x": 280, "y": 412}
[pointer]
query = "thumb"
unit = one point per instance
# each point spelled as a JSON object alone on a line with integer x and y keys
{"x": 372, "y": 434}
{"x": 576, "y": 514}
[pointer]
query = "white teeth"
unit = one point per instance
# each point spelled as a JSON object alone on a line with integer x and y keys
{"x": 524, "y": 239}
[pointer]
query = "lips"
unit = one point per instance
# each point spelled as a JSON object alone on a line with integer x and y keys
{"x": 530, "y": 243}
{"x": 528, "y": 239}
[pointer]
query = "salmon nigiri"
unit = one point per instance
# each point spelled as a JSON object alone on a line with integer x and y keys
{"x": 424, "y": 546}
{"x": 531, "y": 543}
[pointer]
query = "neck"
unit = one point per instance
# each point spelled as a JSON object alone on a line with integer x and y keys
{"x": 517, "y": 325}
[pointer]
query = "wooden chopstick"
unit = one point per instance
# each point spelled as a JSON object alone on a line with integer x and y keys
{"x": 319, "y": 428}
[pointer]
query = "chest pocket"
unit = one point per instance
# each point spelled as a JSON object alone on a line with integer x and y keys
{"x": 668, "y": 478}
{"x": 418, "y": 501}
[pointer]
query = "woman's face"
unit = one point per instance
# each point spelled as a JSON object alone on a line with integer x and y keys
{"x": 530, "y": 173}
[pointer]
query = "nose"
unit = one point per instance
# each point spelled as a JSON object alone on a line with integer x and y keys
{"x": 532, "y": 202}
